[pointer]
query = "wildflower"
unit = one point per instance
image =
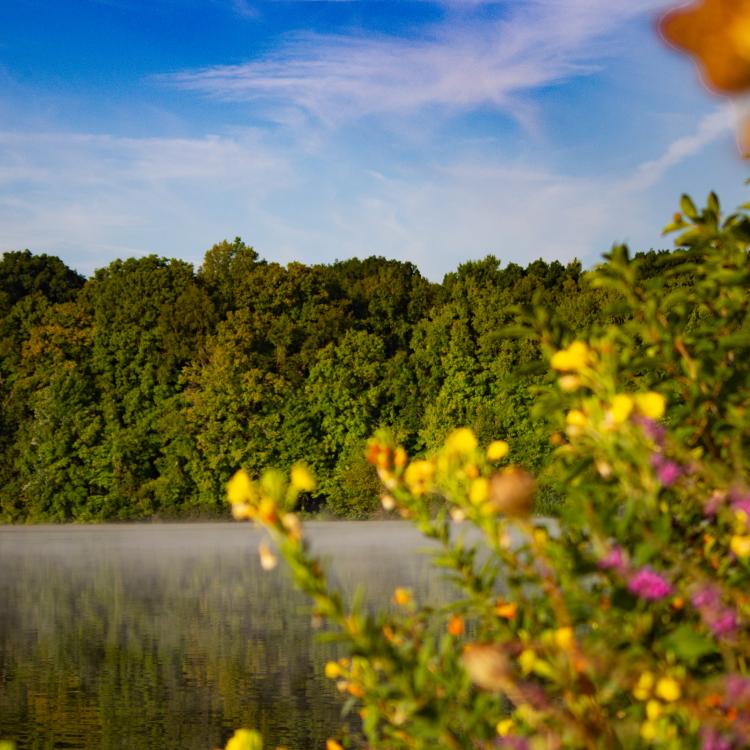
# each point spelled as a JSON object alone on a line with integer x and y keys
{"x": 402, "y": 597}
{"x": 737, "y": 690}
{"x": 497, "y": 450}
{"x": 712, "y": 740}
{"x": 291, "y": 523}
{"x": 527, "y": 660}
{"x": 651, "y": 429}
{"x": 456, "y": 625}
{"x": 506, "y": 610}
{"x": 400, "y": 458}
{"x": 740, "y": 545}
{"x": 479, "y": 490}
{"x": 576, "y": 418}
{"x": 649, "y": 731}
{"x": 621, "y": 408}
{"x": 653, "y": 709}
{"x": 239, "y": 488}
{"x": 418, "y": 476}
{"x": 651, "y": 405}
{"x": 331, "y": 744}
{"x": 487, "y": 666}
{"x": 667, "y": 472}
{"x": 573, "y": 359}
{"x": 242, "y": 511}
{"x": 302, "y": 478}
{"x": 668, "y": 689}
{"x": 268, "y": 560}
{"x": 245, "y": 739}
{"x": 648, "y": 584}
{"x": 569, "y": 383}
{"x": 564, "y": 638}
{"x": 504, "y": 727}
{"x": 332, "y": 670}
{"x": 614, "y": 560}
{"x": 511, "y": 492}
{"x": 643, "y": 687}
{"x": 461, "y": 441}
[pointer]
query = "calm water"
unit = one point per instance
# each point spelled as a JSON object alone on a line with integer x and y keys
{"x": 171, "y": 636}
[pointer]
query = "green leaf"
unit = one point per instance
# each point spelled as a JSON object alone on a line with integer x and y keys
{"x": 688, "y": 644}
{"x": 688, "y": 207}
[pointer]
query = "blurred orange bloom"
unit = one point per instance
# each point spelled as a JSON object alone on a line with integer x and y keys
{"x": 717, "y": 34}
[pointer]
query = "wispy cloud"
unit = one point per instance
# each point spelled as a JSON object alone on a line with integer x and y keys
{"x": 451, "y": 65}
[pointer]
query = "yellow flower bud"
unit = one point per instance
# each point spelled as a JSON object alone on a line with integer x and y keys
{"x": 239, "y": 488}
{"x": 331, "y": 744}
{"x": 569, "y": 383}
{"x": 649, "y": 731}
{"x": 668, "y": 689}
{"x": 497, "y": 450}
{"x": 651, "y": 404}
{"x": 575, "y": 358}
{"x": 268, "y": 560}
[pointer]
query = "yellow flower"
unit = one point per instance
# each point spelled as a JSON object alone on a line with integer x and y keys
{"x": 651, "y": 404}
{"x": 400, "y": 458}
{"x": 653, "y": 709}
{"x": 240, "y": 512}
{"x": 332, "y": 670}
{"x": 418, "y": 476}
{"x": 564, "y": 638}
{"x": 402, "y": 596}
{"x": 504, "y": 727}
{"x": 668, "y": 689}
{"x": 497, "y": 450}
{"x": 245, "y": 739}
{"x": 461, "y": 441}
{"x": 569, "y": 383}
{"x": 479, "y": 490}
{"x": 526, "y": 660}
{"x": 239, "y": 488}
{"x": 574, "y": 358}
{"x": 649, "y": 731}
{"x": 740, "y": 545}
{"x": 643, "y": 687}
{"x": 331, "y": 744}
{"x": 622, "y": 407}
{"x": 576, "y": 418}
{"x": 302, "y": 478}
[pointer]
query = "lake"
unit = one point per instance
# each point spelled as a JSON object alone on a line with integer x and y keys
{"x": 170, "y": 636}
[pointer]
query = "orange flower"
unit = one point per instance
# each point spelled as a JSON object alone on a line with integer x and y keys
{"x": 506, "y": 610}
{"x": 717, "y": 34}
{"x": 456, "y": 625}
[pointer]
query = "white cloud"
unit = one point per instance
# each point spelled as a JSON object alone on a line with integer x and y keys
{"x": 453, "y": 65}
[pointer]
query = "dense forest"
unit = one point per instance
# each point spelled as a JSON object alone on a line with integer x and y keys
{"x": 137, "y": 392}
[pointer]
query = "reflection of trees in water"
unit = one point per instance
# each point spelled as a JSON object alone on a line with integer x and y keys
{"x": 112, "y": 646}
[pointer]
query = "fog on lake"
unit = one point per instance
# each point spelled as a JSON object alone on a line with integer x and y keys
{"x": 171, "y": 635}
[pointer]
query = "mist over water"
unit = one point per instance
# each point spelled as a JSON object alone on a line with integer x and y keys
{"x": 171, "y": 636}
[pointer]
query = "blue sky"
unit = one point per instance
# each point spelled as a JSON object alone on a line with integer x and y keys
{"x": 433, "y": 132}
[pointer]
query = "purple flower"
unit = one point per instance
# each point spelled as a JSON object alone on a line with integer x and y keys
{"x": 724, "y": 624}
{"x": 737, "y": 690}
{"x": 712, "y": 740}
{"x": 648, "y": 584}
{"x": 668, "y": 473}
{"x": 712, "y": 505}
{"x": 653, "y": 430}
{"x": 706, "y": 597}
{"x": 514, "y": 743}
{"x": 740, "y": 500}
{"x": 614, "y": 560}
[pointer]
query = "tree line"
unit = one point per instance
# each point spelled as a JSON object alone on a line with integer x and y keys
{"x": 137, "y": 393}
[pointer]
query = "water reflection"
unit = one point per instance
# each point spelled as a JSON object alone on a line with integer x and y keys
{"x": 171, "y": 636}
